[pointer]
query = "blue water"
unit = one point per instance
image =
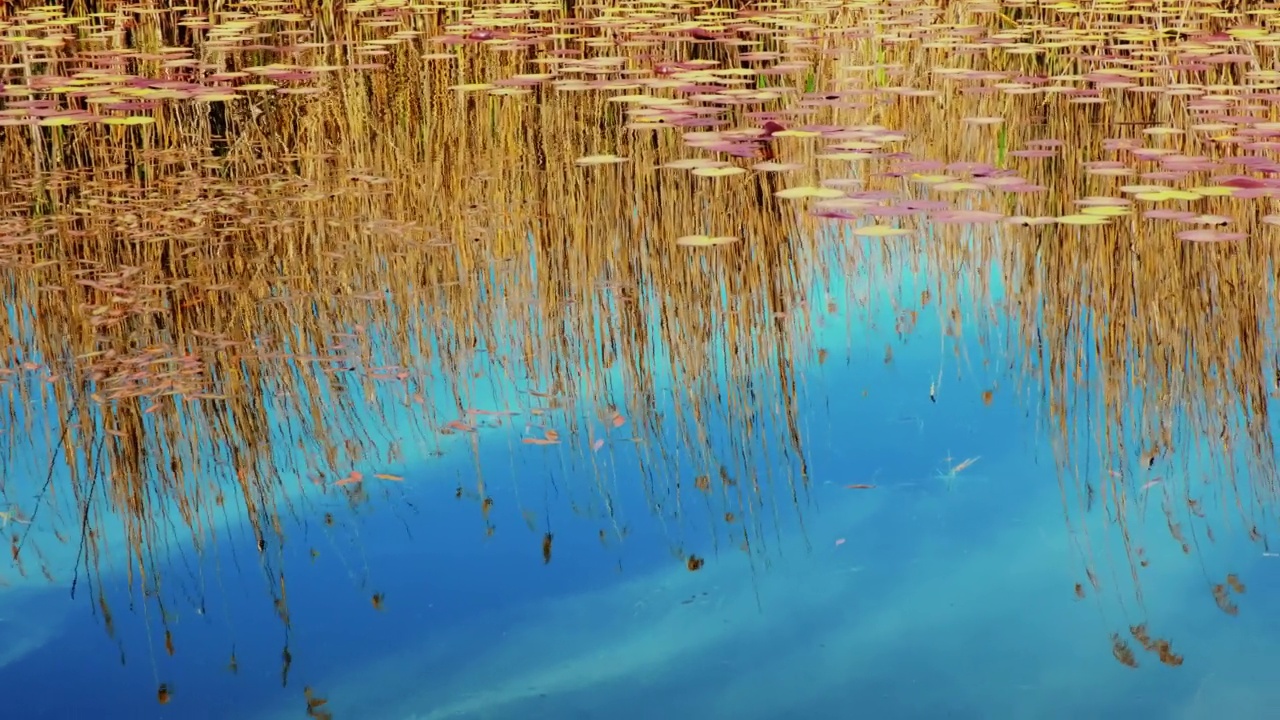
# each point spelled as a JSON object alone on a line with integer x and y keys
{"x": 926, "y": 596}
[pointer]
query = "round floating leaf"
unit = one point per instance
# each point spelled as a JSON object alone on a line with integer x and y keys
{"x": 1083, "y": 220}
{"x": 718, "y": 171}
{"x": 845, "y": 156}
{"x": 1110, "y": 171}
{"x": 1209, "y": 220}
{"x": 1210, "y": 235}
{"x": 705, "y": 240}
{"x": 64, "y": 120}
{"x": 694, "y": 164}
{"x": 967, "y": 217}
{"x": 808, "y": 191}
{"x": 1214, "y": 190}
{"x": 1096, "y": 201}
{"x": 1105, "y": 211}
{"x": 633, "y": 99}
{"x": 130, "y": 120}
{"x": 776, "y": 166}
{"x": 856, "y": 145}
{"x": 1028, "y": 221}
{"x": 599, "y": 160}
{"x": 957, "y": 186}
{"x": 1163, "y": 195}
{"x": 880, "y": 231}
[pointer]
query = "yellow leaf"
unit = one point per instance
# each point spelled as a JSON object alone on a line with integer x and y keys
{"x": 1105, "y": 211}
{"x": 957, "y": 186}
{"x": 129, "y": 120}
{"x": 880, "y": 231}
{"x": 1214, "y": 190}
{"x": 705, "y": 240}
{"x": 599, "y": 160}
{"x": 808, "y": 191}
{"x": 1168, "y": 195}
{"x": 1083, "y": 220}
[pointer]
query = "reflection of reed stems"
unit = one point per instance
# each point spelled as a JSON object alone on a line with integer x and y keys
{"x": 84, "y": 518}
{"x": 48, "y": 479}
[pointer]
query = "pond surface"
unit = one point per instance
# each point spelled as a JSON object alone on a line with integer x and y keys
{"x": 659, "y": 360}
{"x": 882, "y": 577}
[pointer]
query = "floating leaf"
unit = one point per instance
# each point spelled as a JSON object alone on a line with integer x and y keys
{"x": 694, "y": 163}
{"x": 958, "y": 186}
{"x": 848, "y": 156}
{"x": 1027, "y": 221}
{"x": 1083, "y": 220}
{"x": 1163, "y": 195}
{"x": 776, "y": 166}
{"x": 1209, "y": 220}
{"x": 1105, "y": 211}
{"x": 718, "y": 171}
{"x": 1210, "y": 236}
{"x": 808, "y": 191}
{"x": 967, "y": 217}
{"x": 130, "y": 120}
{"x": 599, "y": 160}
{"x": 855, "y": 145}
{"x": 1214, "y": 191}
{"x": 62, "y": 121}
{"x": 705, "y": 240}
{"x": 880, "y": 231}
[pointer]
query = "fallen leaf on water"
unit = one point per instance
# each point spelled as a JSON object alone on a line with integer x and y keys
{"x": 809, "y": 191}
{"x": 599, "y": 160}
{"x": 880, "y": 231}
{"x": 704, "y": 240}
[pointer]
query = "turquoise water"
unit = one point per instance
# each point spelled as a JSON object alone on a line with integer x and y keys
{"x": 933, "y": 594}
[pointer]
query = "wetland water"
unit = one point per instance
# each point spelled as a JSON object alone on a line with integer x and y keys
{"x": 638, "y": 360}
